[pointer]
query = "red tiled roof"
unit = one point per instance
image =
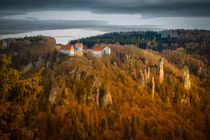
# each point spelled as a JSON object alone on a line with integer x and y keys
{"x": 67, "y": 47}
{"x": 79, "y": 44}
{"x": 98, "y": 49}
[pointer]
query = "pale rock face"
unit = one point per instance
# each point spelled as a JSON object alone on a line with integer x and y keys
{"x": 142, "y": 77}
{"x": 41, "y": 60}
{"x": 145, "y": 76}
{"x": 54, "y": 95}
{"x": 97, "y": 85}
{"x": 201, "y": 72}
{"x": 90, "y": 97}
{"x": 75, "y": 74}
{"x": 148, "y": 73}
{"x": 48, "y": 64}
{"x": 185, "y": 100}
{"x": 94, "y": 92}
{"x": 161, "y": 70}
{"x": 115, "y": 64}
{"x": 186, "y": 78}
{"x": 97, "y": 97}
{"x": 107, "y": 99}
{"x": 39, "y": 63}
{"x": 153, "y": 87}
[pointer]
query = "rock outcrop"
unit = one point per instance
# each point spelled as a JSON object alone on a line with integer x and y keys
{"x": 55, "y": 95}
{"x": 96, "y": 86}
{"x": 97, "y": 98}
{"x": 93, "y": 93}
{"x": 142, "y": 80}
{"x": 145, "y": 76}
{"x": 161, "y": 70}
{"x": 201, "y": 72}
{"x": 48, "y": 64}
{"x": 75, "y": 74}
{"x": 186, "y": 78}
{"x": 185, "y": 100}
{"x": 40, "y": 62}
{"x": 107, "y": 99}
{"x": 153, "y": 87}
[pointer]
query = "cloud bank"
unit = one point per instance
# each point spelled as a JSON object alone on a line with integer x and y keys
{"x": 151, "y": 8}
{"x": 146, "y": 9}
{"x": 9, "y": 26}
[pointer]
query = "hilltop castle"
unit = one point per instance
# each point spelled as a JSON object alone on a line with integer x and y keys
{"x": 72, "y": 49}
{"x": 77, "y": 50}
{"x": 98, "y": 52}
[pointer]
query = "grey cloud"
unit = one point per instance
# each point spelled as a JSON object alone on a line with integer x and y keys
{"x": 181, "y": 8}
{"x": 32, "y": 18}
{"x": 8, "y": 26}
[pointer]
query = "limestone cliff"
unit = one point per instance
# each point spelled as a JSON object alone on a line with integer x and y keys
{"x": 107, "y": 99}
{"x": 55, "y": 95}
{"x": 161, "y": 70}
{"x": 186, "y": 78}
{"x": 153, "y": 88}
{"x": 145, "y": 77}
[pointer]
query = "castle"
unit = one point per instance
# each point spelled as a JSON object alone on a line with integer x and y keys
{"x": 77, "y": 50}
{"x": 72, "y": 50}
{"x": 98, "y": 52}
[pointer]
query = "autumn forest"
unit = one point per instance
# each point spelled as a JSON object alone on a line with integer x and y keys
{"x": 153, "y": 85}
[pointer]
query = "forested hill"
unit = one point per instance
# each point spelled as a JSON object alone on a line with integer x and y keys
{"x": 133, "y": 93}
{"x": 28, "y": 49}
{"x": 193, "y": 41}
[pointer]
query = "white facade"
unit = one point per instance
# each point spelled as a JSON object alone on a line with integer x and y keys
{"x": 71, "y": 51}
{"x": 97, "y": 53}
{"x": 107, "y": 50}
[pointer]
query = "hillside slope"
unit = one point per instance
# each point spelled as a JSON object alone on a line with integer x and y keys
{"x": 174, "y": 113}
{"x": 109, "y": 97}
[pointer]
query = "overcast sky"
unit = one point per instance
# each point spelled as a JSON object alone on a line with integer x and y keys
{"x": 18, "y": 16}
